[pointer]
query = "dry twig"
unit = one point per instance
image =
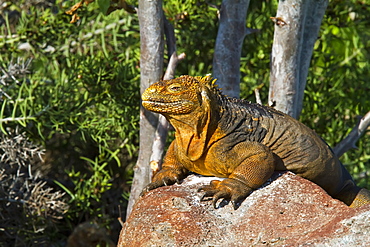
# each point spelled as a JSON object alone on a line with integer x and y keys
{"x": 350, "y": 141}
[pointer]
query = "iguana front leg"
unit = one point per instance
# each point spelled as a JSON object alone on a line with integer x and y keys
{"x": 257, "y": 165}
{"x": 172, "y": 171}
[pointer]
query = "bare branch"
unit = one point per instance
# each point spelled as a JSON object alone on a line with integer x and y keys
{"x": 169, "y": 33}
{"x": 159, "y": 145}
{"x": 10, "y": 119}
{"x": 163, "y": 125}
{"x": 174, "y": 60}
{"x": 257, "y": 93}
{"x": 350, "y": 141}
{"x": 297, "y": 24}
{"x": 119, "y": 218}
{"x": 8, "y": 74}
{"x": 150, "y": 15}
{"x": 230, "y": 37}
{"x": 258, "y": 96}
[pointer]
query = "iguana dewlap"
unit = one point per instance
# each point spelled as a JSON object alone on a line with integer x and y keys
{"x": 241, "y": 141}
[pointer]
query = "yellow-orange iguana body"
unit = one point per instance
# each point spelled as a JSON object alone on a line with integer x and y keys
{"x": 240, "y": 141}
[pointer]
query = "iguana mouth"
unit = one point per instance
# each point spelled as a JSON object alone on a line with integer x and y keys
{"x": 176, "y": 107}
{"x": 166, "y": 103}
{"x": 161, "y": 103}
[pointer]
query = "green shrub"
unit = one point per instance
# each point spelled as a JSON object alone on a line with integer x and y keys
{"x": 78, "y": 99}
{"x": 77, "y": 95}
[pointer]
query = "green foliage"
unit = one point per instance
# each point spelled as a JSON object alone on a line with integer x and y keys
{"x": 104, "y": 5}
{"x": 195, "y": 24}
{"x": 88, "y": 190}
{"x": 79, "y": 97}
{"x": 79, "y": 100}
{"x": 255, "y": 61}
{"x": 337, "y": 90}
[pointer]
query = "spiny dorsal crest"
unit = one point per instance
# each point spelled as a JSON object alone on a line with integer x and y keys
{"x": 207, "y": 81}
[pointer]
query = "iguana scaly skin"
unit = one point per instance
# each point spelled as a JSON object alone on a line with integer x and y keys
{"x": 240, "y": 141}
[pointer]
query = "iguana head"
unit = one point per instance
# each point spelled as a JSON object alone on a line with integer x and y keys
{"x": 189, "y": 105}
{"x": 181, "y": 95}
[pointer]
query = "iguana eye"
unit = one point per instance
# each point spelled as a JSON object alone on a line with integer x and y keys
{"x": 176, "y": 87}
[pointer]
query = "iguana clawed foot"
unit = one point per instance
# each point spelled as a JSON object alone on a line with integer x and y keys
{"x": 164, "y": 178}
{"x": 228, "y": 189}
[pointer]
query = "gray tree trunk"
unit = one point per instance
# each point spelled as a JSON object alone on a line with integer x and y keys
{"x": 161, "y": 133}
{"x": 151, "y": 69}
{"x": 230, "y": 37}
{"x": 296, "y": 30}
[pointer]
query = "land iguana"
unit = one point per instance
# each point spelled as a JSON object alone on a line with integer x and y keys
{"x": 240, "y": 141}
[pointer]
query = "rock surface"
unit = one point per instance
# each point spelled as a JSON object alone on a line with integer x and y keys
{"x": 287, "y": 211}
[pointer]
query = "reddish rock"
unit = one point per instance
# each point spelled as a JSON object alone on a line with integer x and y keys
{"x": 288, "y": 211}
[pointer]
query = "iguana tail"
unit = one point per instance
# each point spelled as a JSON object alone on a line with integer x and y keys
{"x": 362, "y": 198}
{"x": 353, "y": 196}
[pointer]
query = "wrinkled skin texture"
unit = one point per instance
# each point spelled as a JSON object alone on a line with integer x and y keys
{"x": 240, "y": 141}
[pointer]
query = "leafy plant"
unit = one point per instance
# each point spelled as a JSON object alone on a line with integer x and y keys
{"x": 79, "y": 100}
{"x": 77, "y": 95}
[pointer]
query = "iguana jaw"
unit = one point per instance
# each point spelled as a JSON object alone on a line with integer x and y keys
{"x": 176, "y": 108}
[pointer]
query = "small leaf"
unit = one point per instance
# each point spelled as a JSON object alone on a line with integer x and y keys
{"x": 104, "y": 5}
{"x": 334, "y": 30}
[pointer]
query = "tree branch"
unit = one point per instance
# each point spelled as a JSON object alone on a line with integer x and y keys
{"x": 230, "y": 37}
{"x": 10, "y": 119}
{"x": 160, "y": 135}
{"x": 163, "y": 125}
{"x": 169, "y": 33}
{"x": 297, "y": 24}
{"x": 150, "y": 15}
{"x": 258, "y": 96}
{"x": 350, "y": 141}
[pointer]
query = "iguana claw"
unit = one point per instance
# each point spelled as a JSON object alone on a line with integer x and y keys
{"x": 228, "y": 189}
{"x": 163, "y": 178}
